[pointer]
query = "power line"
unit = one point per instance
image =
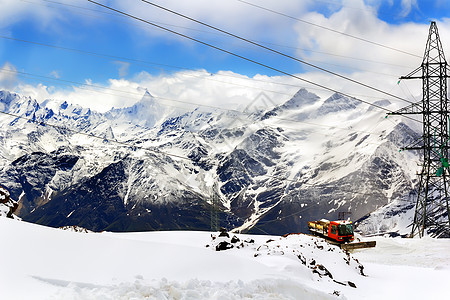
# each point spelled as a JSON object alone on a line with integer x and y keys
{"x": 129, "y": 92}
{"x": 126, "y": 144}
{"x": 103, "y": 12}
{"x": 275, "y": 51}
{"x": 42, "y": 123}
{"x": 118, "y": 57}
{"x": 190, "y": 103}
{"x": 212, "y": 32}
{"x": 335, "y": 55}
{"x": 330, "y": 29}
{"x": 144, "y": 63}
{"x": 240, "y": 56}
{"x": 91, "y": 53}
{"x": 155, "y": 64}
{"x": 68, "y": 82}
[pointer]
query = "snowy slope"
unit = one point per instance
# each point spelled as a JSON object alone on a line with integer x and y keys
{"x": 393, "y": 219}
{"x": 178, "y": 265}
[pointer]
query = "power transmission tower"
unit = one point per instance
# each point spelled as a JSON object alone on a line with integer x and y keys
{"x": 342, "y": 214}
{"x": 432, "y": 208}
{"x": 214, "y": 209}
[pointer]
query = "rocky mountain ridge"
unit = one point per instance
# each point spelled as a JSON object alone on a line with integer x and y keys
{"x": 149, "y": 168}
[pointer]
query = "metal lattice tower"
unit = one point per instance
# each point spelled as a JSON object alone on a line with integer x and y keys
{"x": 214, "y": 209}
{"x": 432, "y": 207}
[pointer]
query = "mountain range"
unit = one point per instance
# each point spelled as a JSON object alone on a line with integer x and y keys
{"x": 267, "y": 169}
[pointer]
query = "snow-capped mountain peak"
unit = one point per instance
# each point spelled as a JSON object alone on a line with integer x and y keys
{"x": 301, "y": 99}
{"x": 147, "y": 112}
{"x": 148, "y": 164}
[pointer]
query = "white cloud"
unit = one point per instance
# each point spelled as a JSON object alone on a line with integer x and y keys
{"x": 39, "y": 92}
{"x": 14, "y": 11}
{"x": 183, "y": 90}
{"x": 234, "y": 16}
{"x": 230, "y": 90}
{"x": 192, "y": 89}
{"x": 55, "y": 74}
{"x": 94, "y": 96}
{"x": 123, "y": 68}
{"x": 8, "y": 76}
{"x": 371, "y": 64}
{"x": 407, "y": 6}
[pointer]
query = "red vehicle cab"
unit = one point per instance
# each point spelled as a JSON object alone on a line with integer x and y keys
{"x": 341, "y": 231}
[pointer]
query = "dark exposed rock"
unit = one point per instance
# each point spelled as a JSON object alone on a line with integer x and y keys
{"x": 7, "y": 205}
{"x": 235, "y": 239}
{"x": 322, "y": 271}
{"x": 224, "y": 233}
{"x": 224, "y": 246}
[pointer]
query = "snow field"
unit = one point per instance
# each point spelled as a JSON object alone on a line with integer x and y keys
{"x": 57, "y": 264}
{"x": 193, "y": 289}
{"x": 406, "y": 269}
{"x": 46, "y": 263}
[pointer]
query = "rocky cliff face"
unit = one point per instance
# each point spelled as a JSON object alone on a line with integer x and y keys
{"x": 270, "y": 171}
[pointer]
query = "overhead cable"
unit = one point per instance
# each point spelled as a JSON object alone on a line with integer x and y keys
{"x": 42, "y": 123}
{"x": 330, "y": 29}
{"x": 211, "y": 32}
{"x": 155, "y": 64}
{"x": 126, "y": 144}
{"x": 87, "y": 86}
{"x": 276, "y": 51}
{"x": 242, "y": 57}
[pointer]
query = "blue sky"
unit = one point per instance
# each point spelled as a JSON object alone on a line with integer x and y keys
{"x": 80, "y": 25}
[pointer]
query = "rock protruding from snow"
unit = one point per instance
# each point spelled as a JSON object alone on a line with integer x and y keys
{"x": 7, "y": 205}
{"x": 326, "y": 261}
{"x": 224, "y": 242}
{"x": 75, "y": 228}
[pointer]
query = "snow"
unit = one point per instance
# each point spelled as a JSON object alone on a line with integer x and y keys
{"x": 395, "y": 218}
{"x": 408, "y": 268}
{"x": 46, "y": 263}
{"x": 4, "y": 210}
